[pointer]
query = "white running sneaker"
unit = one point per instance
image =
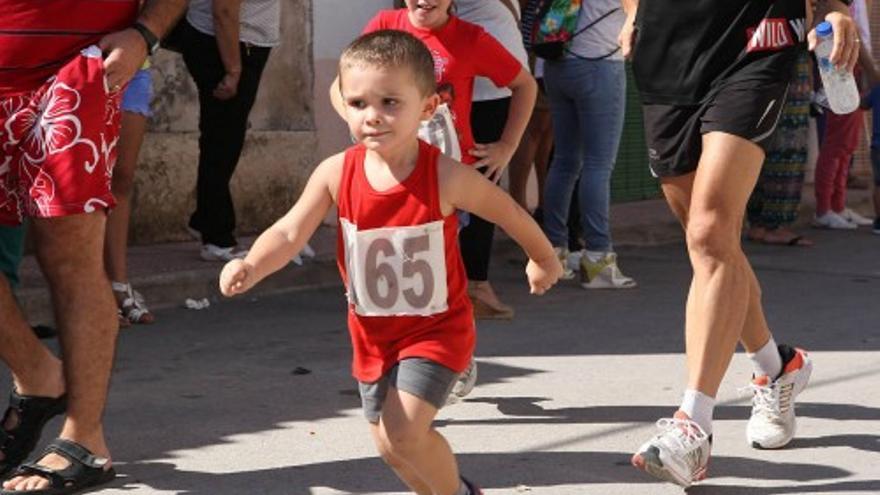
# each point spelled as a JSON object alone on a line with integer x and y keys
{"x": 563, "y": 254}
{"x": 467, "y": 379}
{"x": 853, "y": 217}
{"x": 604, "y": 273}
{"x": 573, "y": 260}
{"x": 831, "y": 220}
{"x": 211, "y": 252}
{"x": 678, "y": 454}
{"x": 773, "y": 423}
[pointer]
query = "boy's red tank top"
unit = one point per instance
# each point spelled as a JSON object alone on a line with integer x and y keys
{"x": 399, "y": 258}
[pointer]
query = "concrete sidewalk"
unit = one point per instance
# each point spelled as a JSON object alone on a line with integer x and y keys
{"x": 168, "y": 274}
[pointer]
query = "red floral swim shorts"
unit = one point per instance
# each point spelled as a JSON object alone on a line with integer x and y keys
{"x": 58, "y": 144}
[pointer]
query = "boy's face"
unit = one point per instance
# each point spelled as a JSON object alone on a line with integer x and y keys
{"x": 428, "y": 14}
{"x": 384, "y": 106}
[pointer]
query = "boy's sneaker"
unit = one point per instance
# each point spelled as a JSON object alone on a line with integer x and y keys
{"x": 831, "y": 220}
{"x": 853, "y": 217}
{"x": 604, "y": 273}
{"x": 876, "y": 228}
{"x": 211, "y": 252}
{"x": 562, "y": 254}
{"x": 678, "y": 454}
{"x": 773, "y": 423}
{"x": 465, "y": 383}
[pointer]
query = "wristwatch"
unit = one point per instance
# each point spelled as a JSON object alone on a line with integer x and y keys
{"x": 150, "y": 39}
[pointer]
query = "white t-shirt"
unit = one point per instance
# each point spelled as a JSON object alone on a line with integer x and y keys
{"x": 600, "y": 39}
{"x": 260, "y": 20}
{"x": 497, "y": 20}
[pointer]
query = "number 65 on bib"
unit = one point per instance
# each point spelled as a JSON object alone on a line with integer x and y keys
{"x": 396, "y": 271}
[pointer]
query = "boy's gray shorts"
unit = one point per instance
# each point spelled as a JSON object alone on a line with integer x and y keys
{"x": 421, "y": 377}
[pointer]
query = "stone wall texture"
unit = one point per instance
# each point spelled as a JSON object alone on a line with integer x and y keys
{"x": 280, "y": 150}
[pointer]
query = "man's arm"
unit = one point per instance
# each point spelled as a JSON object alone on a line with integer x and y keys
{"x": 126, "y": 50}
{"x": 626, "y": 38}
{"x": 161, "y": 15}
{"x": 227, "y": 27}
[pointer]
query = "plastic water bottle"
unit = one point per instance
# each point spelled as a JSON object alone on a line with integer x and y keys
{"x": 840, "y": 85}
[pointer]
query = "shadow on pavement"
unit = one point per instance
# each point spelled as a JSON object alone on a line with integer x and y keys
{"x": 501, "y": 470}
{"x": 527, "y": 410}
{"x": 869, "y": 486}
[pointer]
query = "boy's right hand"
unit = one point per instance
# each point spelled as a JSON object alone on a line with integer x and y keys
{"x": 543, "y": 274}
{"x": 237, "y": 277}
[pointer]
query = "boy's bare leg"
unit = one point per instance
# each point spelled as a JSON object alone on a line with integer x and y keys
{"x": 401, "y": 468}
{"x": 724, "y": 295}
{"x": 70, "y": 253}
{"x": 405, "y": 432}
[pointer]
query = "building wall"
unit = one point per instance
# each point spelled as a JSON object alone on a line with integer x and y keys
{"x": 336, "y": 23}
{"x": 279, "y": 153}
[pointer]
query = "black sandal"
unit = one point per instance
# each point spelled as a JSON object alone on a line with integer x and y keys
{"x": 86, "y": 470}
{"x": 32, "y": 413}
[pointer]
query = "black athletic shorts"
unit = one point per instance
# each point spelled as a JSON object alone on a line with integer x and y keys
{"x": 746, "y": 108}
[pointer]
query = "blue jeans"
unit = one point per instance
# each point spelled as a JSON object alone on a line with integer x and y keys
{"x": 587, "y": 102}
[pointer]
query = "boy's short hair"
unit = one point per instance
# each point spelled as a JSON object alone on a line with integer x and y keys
{"x": 389, "y": 48}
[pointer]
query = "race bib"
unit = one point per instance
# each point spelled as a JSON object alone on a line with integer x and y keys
{"x": 396, "y": 271}
{"x": 440, "y": 132}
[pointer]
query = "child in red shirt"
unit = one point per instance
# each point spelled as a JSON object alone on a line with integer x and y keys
{"x": 462, "y": 51}
{"x": 409, "y": 315}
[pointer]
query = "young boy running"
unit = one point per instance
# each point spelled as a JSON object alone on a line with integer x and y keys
{"x": 709, "y": 106}
{"x": 409, "y": 315}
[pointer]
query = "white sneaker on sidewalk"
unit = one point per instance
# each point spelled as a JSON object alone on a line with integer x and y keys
{"x": 773, "y": 422}
{"x": 678, "y": 454}
{"x": 563, "y": 254}
{"x": 211, "y": 252}
{"x": 604, "y": 273}
{"x": 853, "y": 217}
{"x": 831, "y": 220}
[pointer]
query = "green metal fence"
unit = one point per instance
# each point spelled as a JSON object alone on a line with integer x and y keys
{"x": 631, "y": 180}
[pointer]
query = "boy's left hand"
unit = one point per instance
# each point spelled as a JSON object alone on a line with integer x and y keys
{"x": 495, "y": 156}
{"x": 543, "y": 274}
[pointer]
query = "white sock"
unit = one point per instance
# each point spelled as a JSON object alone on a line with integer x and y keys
{"x": 767, "y": 360}
{"x": 699, "y": 407}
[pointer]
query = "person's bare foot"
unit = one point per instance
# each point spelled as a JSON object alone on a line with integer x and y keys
{"x": 56, "y": 463}
{"x": 756, "y": 234}
{"x": 785, "y": 237}
{"x": 486, "y": 303}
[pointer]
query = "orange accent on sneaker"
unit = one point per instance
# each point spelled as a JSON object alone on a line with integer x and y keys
{"x": 761, "y": 381}
{"x": 796, "y": 363}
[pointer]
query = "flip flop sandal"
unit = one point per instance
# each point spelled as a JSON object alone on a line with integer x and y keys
{"x": 132, "y": 308}
{"x": 796, "y": 241}
{"x": 32, "y": 414}
{"x": 86, "y": 470}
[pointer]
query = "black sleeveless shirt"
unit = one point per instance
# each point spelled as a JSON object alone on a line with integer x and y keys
{"x": 685, "y": 48}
